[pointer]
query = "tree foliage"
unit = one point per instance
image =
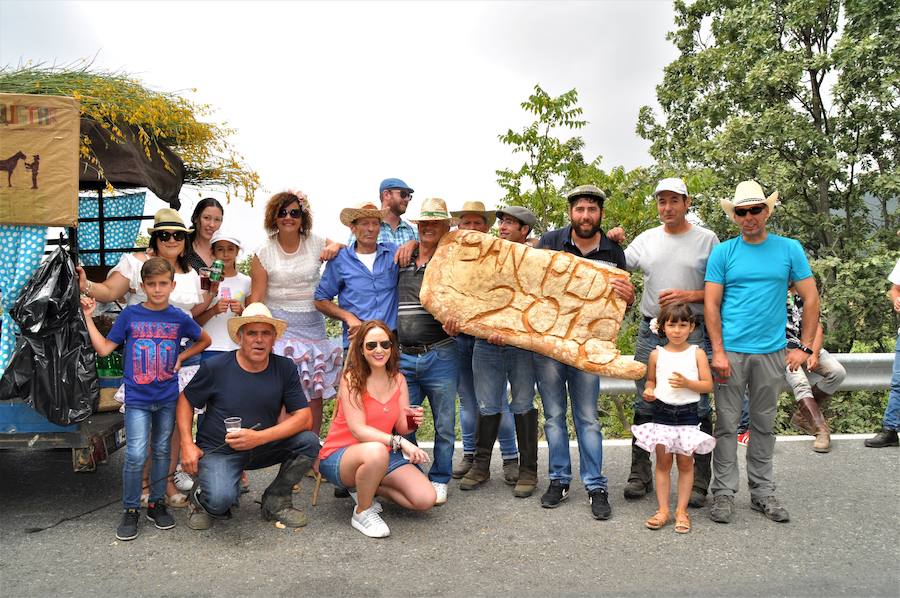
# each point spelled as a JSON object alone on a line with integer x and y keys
{"x": 801, "y": 95}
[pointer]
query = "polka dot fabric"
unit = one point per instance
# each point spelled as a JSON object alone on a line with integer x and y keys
{"x": 684, "y": 440}
{"x": 21, "y": 250}
{"x": 115, "y": 234}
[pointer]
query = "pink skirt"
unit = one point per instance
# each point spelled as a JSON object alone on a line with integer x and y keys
{"x": 684, "y": 440}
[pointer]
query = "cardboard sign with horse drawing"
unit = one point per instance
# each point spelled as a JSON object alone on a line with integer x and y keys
{"x": 39, "y": 139}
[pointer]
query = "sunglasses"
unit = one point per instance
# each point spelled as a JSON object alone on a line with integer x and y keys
{"x": 404, "y": 194}
{"x": 370, "y": 345}
{"x": 294, "y": 213}
{"x": 165, "y": 235}
{"x": 755, "y": 210}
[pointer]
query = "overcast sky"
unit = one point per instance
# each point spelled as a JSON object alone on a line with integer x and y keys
{"x": 333, "y": 97}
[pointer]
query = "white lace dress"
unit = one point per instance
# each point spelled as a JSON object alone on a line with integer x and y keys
{"x": 292, "y": 281}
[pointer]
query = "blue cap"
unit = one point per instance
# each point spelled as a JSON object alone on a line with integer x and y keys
{"x": 394, "y": 184}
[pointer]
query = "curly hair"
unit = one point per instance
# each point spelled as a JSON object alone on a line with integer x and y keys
{"x": 283, "y": 200}
{"x": 674, "y": 312}
{"x": 358, "y": 370}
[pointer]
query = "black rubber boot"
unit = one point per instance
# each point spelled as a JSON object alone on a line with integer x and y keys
{"x": 640, "y": 479}
{"x": 702, "y": 468}
{"x": 278, "y": 499}
{"x": 485, "y": 437}
{"x": 527, "y": 438}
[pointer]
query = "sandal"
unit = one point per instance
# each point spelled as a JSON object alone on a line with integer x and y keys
{"x": 682, "y": 522}
{"x": 177, "y": 501}
{"x": 658, "y": 521}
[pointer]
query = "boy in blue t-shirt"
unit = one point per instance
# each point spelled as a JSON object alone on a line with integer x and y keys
{"x": 151, "y": 332}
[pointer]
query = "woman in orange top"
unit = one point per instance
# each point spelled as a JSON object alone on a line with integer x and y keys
{"x": 364, "y": 451}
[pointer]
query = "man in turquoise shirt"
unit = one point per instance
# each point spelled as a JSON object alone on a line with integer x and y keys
{"x": 747, "y": 278}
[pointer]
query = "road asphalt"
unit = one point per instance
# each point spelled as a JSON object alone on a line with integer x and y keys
{"x": 843, "y": 539}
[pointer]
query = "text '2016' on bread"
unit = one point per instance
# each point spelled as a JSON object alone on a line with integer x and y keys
{"x": 550, "y": 302}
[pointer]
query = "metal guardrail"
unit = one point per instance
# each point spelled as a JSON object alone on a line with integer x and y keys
{"x": 865, "y": 371}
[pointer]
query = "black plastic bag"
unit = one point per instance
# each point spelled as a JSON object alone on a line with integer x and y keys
{"x": 53, "y": 366}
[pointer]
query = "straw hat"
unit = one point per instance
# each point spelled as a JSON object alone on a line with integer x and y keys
{"x": 748, "y": 193}
{"x": 477, "y": 207}
{"x": 168, "y": 219}
{"x": 435, "y": 208}
{"x": 366, "y": 209}
{"x": 255, "y": 313}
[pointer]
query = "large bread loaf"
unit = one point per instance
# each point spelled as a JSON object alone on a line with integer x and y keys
{"x": 550, "y": 302}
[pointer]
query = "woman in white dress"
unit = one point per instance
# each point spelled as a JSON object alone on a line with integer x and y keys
{"x": 285, "y": 272}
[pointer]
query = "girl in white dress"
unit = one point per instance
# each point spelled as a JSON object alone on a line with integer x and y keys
{"x": 677, "y": 373}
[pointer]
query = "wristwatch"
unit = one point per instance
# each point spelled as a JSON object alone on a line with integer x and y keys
{"x": 804, "y": 348}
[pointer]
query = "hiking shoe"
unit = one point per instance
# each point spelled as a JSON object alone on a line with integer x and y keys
{"x": 199, "y": 519}
{"x": 376, "y": 506}
{"x": 464, "y": 465}
{"x": 600, "y": 508}
{"x": 744, "y": 438}
{"x": 441, "y": 491}
{"x": 128, "y": 529}
{"x": 183, "y": 481}
{"x": 555, "y": 494}
{"x": 370, "y": 523}
{"x": 771, "y": 508}
{"x": 636, "y": 488}
{"x": 159, "y": 515}
{"x": 511, "y": 471}
{"x": 884, "y": 438}
{"x": 697, "y": 500}
{"x": 722, "y": 509}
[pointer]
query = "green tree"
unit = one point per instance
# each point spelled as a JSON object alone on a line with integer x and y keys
{"x": 802, "y": 96}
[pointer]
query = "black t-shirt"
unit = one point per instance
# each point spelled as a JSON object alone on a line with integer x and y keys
{"x": 608, "y": 252}
{"x": 227, "y": 390}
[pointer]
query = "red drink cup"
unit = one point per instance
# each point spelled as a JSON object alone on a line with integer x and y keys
{"x": 204, "y": 278}
{"x": 411, "y": 413}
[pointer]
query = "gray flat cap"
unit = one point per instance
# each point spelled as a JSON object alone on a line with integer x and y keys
{"x": 523, "y": 215}
{"x": 586, "y": 191}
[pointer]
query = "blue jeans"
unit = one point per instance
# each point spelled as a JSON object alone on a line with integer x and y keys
{"x": 468, "y": 405}
{"x": 146, "y": 424}
{"x": 553, "y": 379}
{"x": 647, "y": 340}
{"x": 220, "y": 473}
{"x": 330, "y": 467}
{"x": 892, "y": 412}
{"x": 434, "y": 375}
{"x": 496, "y": 365}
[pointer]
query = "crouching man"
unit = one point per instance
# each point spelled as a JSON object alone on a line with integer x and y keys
{"x": 252, "y": 384}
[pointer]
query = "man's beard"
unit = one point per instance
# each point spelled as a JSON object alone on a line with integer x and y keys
{"x": 579, "y": 231}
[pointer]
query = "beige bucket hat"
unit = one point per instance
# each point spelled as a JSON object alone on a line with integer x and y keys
{"x": 477, "y": 207}
{"x": 253, "y": 314}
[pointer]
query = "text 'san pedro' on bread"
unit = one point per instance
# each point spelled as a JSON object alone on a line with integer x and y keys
{"x": 553, "y": 303}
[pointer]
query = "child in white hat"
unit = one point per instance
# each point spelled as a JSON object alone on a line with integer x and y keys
{"x": 230, "y": 297}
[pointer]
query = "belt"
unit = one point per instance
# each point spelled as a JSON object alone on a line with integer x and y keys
{"x": 422, "y": 349}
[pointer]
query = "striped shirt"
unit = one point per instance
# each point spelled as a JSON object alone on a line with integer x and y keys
{"x": 415, "y": 326}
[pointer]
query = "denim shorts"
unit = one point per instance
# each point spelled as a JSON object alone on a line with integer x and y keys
{"x": 330, "y": 467}
{"x": 675, "y": 415}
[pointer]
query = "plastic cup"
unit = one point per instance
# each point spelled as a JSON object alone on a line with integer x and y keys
{"x": 232, "y": 424}
{"x": 411, "y": 413}
{"x": 204, "y": 278}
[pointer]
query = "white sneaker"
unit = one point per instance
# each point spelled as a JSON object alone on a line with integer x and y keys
{"x": 183, "y": 481}
{"x": 370, "y": 523}
{"x": 376, "y": 506}
{"x": 441, "y": 490}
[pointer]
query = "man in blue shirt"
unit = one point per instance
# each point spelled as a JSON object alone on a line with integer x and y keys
{"x": 747, "y": 278}
{"x": 582, "y": 237}
{"x": 363, "y": 276}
